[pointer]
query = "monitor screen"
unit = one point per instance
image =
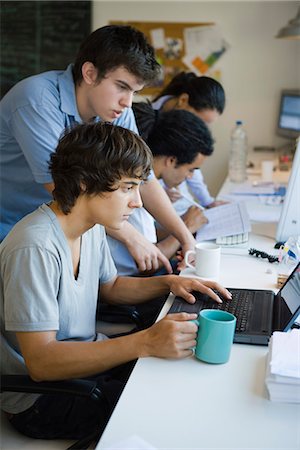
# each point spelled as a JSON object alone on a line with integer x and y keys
{"x": 289, "y": 222}
{"x": 289, "y": 114}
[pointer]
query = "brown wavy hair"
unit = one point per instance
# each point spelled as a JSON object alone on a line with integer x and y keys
{"x": 96, "y": 156}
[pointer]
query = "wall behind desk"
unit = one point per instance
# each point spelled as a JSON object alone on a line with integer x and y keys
{"x": 253, "y": 71}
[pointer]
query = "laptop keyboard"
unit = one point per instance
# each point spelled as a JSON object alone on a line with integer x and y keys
{"x": 240, "y": 305}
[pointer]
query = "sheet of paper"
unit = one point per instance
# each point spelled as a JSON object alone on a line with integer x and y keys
{"x": 203, "y": 47}
{"x": 157, "y": 38}
{"x": 133, "y": 442}
{"x": 285, "y": 356}
{"x": 224, "y": 220}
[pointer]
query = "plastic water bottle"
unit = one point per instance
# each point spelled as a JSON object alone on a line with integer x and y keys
{"x": 238, "y": 154}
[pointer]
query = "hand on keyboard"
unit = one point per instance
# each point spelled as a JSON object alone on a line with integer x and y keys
{"x": 232, "y": 240}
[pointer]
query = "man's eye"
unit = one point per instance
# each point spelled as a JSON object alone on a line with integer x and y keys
{"x": 122, "y": 87}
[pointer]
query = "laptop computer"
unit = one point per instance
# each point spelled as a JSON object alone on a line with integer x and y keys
{"x": 258, "y": 312}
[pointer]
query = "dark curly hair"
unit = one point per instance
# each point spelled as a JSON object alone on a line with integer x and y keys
{"x": 96, "y": 156}
{"x": 176, "y": 133}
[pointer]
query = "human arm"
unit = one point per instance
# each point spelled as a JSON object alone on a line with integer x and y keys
{"x": 146, "y": 255}
{"x": 39, "y": 302}
{"x": 199, "y": 189}
{"x": 137, "y": 290}
{"x": 159, "y": 206}
{"x": 194, "y": 218}
{"x": 216, "y": 203}
{"x": 49, "y": 359}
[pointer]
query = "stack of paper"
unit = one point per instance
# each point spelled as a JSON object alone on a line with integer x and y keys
{"x": 283, "y": 367}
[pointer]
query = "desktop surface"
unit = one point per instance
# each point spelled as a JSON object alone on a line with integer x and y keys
{"x": 188, "y": 404}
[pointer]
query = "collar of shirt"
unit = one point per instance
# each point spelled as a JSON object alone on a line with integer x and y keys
{"x": 68, "y": 94}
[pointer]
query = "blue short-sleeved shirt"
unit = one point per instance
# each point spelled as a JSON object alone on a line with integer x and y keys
{"x": 33, "y": 115}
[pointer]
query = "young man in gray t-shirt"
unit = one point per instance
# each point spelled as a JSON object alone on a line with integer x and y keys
{"x": 55, "y": 265}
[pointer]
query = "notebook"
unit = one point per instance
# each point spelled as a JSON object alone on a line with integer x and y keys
{"x": 258, "y": 312}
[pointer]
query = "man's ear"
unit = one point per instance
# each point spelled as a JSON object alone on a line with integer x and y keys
{"x": 183, "y": 101}
{"x": 83, "y": 187}
{"x": 89, "y": 73}
{"x": 170, "y": 161}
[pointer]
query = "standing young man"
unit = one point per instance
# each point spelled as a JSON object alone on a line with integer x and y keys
{"x": 55, "y": 264}
{"x": 112, "y": 64}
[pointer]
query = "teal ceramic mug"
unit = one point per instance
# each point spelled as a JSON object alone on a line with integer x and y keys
{"x": 215, "y": 336}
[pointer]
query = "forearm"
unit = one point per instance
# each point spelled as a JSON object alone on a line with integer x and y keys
{"x": 136, "y": 290}
{"x": 159, "y": 206}
{"x": 126, "y": 234}
{"x": 64, "y": 360}
{"x": 169, "y": 246}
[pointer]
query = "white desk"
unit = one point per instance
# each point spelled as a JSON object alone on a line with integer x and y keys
{"x": 188, "y": 404}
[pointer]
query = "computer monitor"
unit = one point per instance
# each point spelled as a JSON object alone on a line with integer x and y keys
{"x": 289, "y": 222}
{"x": 288, "y": 125}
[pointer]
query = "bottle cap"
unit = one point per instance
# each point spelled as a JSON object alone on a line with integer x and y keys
{"x": 239, "y": 122}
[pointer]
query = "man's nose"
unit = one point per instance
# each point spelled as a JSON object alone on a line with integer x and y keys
{"x": 126, "y": 99}
{"x": 136, "y": 201}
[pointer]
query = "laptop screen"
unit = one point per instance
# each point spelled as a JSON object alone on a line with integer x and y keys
{"x": 290, "y": 294}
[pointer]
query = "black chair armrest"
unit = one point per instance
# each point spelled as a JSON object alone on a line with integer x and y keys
{"x": 23, "y": 383}
{"x": 120, "y": 314}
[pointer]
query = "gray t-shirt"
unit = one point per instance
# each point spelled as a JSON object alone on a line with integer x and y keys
{"x": 38, "y": 291}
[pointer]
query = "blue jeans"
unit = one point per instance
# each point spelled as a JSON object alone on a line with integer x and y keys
{"x": 62, "y": 416}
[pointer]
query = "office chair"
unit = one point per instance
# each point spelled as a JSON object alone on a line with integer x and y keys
{"x": 120, "y": 314}
{"x": 80, "y": 387}
{"x": 140, "y": 316}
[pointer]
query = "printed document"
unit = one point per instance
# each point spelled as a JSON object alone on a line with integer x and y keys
{"x": 224, "y": 220}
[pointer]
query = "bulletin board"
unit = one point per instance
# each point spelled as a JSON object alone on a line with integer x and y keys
{"x": 168, "y": 40}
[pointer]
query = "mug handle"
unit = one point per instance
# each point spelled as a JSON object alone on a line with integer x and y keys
{"x": 186, "y": 256}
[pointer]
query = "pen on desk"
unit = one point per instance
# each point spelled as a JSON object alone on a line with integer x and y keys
{"x": 192, "y": 202}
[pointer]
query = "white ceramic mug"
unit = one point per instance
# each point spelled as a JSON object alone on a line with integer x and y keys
{"x": 207, "y": 260}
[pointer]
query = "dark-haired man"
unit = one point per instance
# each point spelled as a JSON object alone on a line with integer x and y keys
{"x": 55, "y": 263}
{"x": 112, "y": 64}
{"x": 180, "y": 143}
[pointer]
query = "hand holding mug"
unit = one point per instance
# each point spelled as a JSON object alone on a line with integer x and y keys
{"x": 215, "y": 335}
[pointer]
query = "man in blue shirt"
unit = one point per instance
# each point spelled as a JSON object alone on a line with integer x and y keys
{"x": 112, "y": 64}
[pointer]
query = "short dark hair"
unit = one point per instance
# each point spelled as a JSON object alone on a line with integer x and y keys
{"x": 114, "y": 46}
{"x": 96, "y": 156}
{"x": 203, "y": 92}
{"x": 177, "y": 133}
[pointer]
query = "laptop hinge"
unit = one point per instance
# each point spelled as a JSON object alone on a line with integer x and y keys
{"x": 277, "y": 325}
